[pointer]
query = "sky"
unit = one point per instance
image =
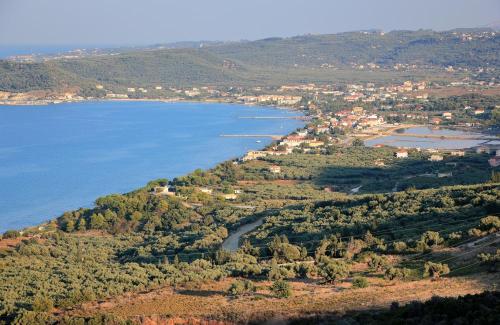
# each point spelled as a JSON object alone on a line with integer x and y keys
{"x": 129, "y": 22}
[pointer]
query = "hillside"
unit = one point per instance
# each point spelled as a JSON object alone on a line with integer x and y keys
{"x": 318, "y": 58}
{"x": 324, "y": 248}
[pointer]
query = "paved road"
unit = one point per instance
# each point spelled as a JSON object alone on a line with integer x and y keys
{"x": 232, "y": 243}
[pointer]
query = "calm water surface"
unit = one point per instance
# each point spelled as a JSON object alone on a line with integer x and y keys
{"x": 61, "y": 157}
{"x": 429, "y": 143}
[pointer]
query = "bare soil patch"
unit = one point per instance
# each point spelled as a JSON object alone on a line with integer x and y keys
{"x": 211, "y": 302}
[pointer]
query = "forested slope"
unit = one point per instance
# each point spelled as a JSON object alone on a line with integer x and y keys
{"x": 320, "y": 58}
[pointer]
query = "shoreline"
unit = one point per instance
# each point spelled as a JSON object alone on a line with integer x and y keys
{"x": 42, "y": 102}
{"x": 51, "y": 219}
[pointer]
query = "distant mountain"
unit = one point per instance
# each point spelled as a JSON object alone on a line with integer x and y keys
{"x": 494, "y": 25}
{"x": 268, "y": 61}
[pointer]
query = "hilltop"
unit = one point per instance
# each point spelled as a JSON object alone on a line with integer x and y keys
{"x": 365, "y": 55}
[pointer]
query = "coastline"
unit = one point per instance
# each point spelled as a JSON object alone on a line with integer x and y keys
{"x": 161, "y": 100}
{"x": 41, "y": 225}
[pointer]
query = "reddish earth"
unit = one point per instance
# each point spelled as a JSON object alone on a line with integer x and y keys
{"x": 198, "y": 306}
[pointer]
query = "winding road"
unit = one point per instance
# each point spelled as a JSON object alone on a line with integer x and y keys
{"x": 232, "y": 243}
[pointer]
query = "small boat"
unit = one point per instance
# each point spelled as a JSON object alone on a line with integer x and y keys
{"x": 258, "y": 141}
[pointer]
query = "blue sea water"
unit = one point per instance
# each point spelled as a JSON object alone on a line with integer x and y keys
{"x": 61, "y": 157}
{"x": 398, "y": 139}
{"x": 7, "y": 51}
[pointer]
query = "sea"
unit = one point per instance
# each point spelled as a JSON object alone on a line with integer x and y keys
{"x": 62, "y": 157}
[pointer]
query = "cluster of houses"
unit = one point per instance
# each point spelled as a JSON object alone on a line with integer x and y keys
{"x": 370, "y": 93}
{"x": 169, "y": 190}
{"x": 493, "y": 161}
{"x": 278, "y": 99}
{"x": 355, "y": 117}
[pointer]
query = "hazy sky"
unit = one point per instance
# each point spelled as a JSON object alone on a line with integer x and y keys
{"x": 127, "y": 22}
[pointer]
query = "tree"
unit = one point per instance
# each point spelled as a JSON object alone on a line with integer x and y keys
{"x": 248, "y": 248}
{"x": 305, "y": 270}
{"x": 334, "y": 270}
{"x": 358, "y": 143}
{"x": 222, "y": 257}
{"x": 492, "y": 261}
{"x": 490, "y": 224}
{"x": 11, "y": 234}
{"x": 97, "y": 221}
{"x": 360, "y": 282}
{"x": 399, "y": 246}
{"x": 274, "y": 271}
{"x": 431, "y": 238}
{"x": 281, "y": 289}
{"x": 281, "y": 249}
{"x": 241, "y": 287}
{"x": 82, "y": 224}
{"x": 435, "y": 270}
{"x": 393, "y": 273}
{"x": 42, "y": 303}
{"x": 377, "y": 262}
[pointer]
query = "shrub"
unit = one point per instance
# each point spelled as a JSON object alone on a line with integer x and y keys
{"x": 281, "y": 289}
{"x": 435, "y": 270}
{"x": 334, "y": 270}
{"x": 305, "y": 270}
{"x": 42, "y": 303}
{"x": 456, "y": 235}
{"x": 360, "y": 282}
{"x": 490, "y": 260}
{"x": 431, "y": 238}
{"x": 490, "y": 224}
{"x": 377, "y": 262}
{"x": 399, "y": 246}
{"x": 11, "y": 234}
{"x": 396, "y": 273}
{"x": 241, "y": 287}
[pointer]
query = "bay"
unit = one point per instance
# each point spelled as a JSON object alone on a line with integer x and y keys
{"x": 61, "y": 157}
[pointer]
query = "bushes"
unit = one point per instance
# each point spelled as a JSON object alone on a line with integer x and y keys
{"x": 399, "y": 246}
{"x": 431, "y": 238}
{"x": 360, "y": 282}
{"x": 11, "y": 234}
{"x": 305, "y": 270}
{"x": 377, "y": 262}
{"x": 492, "y": 261}
{"x": 241, "y": 287}
{"x": 281, "y": 289}
{"x": 42, "y": 303}
{"x": 399, "y": 217}
{"x": 435, "y": 270}
{"x": 277, "y": 272}
{"x": 334, "y": 270}
{"x": 393, "y": 273}
{"x": 281, "y": 249}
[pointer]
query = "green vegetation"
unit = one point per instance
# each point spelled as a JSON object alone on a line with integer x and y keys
{"x": 360, "y": 282}
{"x": 435, "y": 270}
{"x": 420, "y": 219}
{"x": 142, "y": 240}
{"x": 470, "y": 309}
{"x": 281, "y": 289}
{"x": 403, "y": 225}
{"x": 241, "y": 287}
{"x": 264, "y": 62}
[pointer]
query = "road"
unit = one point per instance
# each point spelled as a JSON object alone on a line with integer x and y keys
{"x": 232, "y": 243}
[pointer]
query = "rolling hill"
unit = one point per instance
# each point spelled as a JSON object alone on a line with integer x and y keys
{"x": 307, "y": 58}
